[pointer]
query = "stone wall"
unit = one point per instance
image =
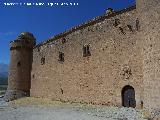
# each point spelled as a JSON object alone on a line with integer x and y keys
{"x": 21, "y": 57}
{"x": 115, "y": 61}
{"x": 150, "y": 29}
{"x": 20, "y": 66}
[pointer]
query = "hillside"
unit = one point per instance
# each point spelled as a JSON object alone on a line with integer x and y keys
{"x": 3, "y": 80}
{"x": 3, "y": 74}
{"x": 3, "y": 67}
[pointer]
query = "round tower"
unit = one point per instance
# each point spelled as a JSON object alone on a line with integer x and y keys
{"x": 149, "y": 16}
{"x": 21, "y": 54}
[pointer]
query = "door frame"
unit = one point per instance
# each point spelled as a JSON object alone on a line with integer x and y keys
{"x": 127, "y": 87}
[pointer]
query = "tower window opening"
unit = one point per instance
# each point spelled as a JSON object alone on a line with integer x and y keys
{"x": 33, "y": 76}
{"x": 42, "y": 60}
{"x": 86, "y": 51}
{"x": 61, "y": 56}
{"x": 19, "y": 64}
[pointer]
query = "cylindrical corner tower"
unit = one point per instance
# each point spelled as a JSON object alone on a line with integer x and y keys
{"x": 21, "y": 54}
{"x": 149, "y": 15}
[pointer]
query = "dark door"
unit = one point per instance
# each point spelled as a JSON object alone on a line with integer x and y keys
{"x": 128, "y": 97}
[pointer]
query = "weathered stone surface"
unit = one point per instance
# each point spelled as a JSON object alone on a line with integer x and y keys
{"x": 21, "y": 54}
{"x": 96, "y": 79}
{"x": 123, "y": 51}
{"x": 149, "y": 34}
{"x": 14, "y": 94}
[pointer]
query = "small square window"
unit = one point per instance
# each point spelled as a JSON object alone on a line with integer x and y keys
{"x": 61, "y": 56}
{"x": 86, "y": 51}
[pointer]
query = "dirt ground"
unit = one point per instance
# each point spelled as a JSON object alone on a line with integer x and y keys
{"x": 44, "y": 109}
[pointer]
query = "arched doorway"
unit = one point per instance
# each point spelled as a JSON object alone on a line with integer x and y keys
{"x": 128, "y": 97}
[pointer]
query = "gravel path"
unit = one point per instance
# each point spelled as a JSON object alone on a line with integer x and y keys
{"x": 63, "y": 112}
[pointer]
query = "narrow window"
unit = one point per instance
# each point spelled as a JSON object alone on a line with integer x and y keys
{"x": 61, "y": 90}
{"x": 19, "y": 64}
{"x": 137, "y": 24}
{"x": 42, "y": 60}
{"x": 86, "y": 51}
{"x": 33, "y": 76}
{"x": 61, "y": 56}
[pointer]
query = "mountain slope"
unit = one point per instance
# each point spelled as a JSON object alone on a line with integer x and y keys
{"x": 3, "y": 74}
{"x": 3, "y": 70}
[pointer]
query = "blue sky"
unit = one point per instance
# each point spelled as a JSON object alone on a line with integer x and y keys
{"x": 46, "y": 21}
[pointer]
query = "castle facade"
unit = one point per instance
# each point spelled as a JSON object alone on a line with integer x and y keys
{"x": 113, "y": 59}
